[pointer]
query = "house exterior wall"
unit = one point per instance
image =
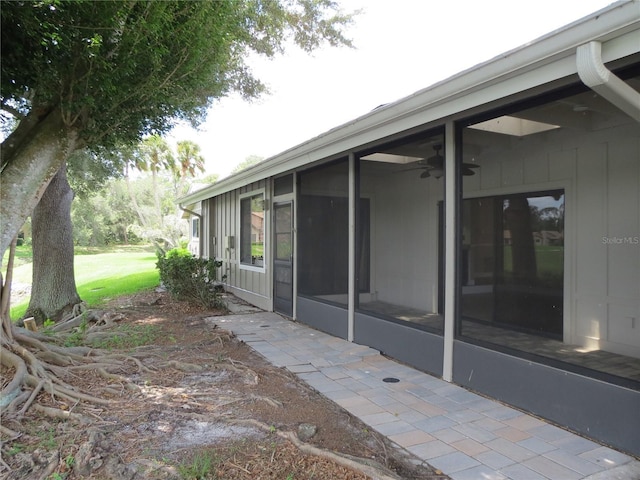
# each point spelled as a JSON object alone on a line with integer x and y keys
{"x": 607, "y": 272}
{"x": 595, "y": 164}
{"x": 250, "y": 284}
{"x": 599, "y": 171}
{"x": 207, "y": 228}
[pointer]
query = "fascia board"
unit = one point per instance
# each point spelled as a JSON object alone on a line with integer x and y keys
{"x": 550, "y": 58}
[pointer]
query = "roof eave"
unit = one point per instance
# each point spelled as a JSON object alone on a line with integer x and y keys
{"x": 469, "y": 88}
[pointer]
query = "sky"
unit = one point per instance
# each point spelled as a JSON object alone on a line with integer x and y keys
{"x": 401, "y": 46}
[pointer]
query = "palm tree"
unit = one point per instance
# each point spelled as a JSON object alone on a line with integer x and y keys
{"x": 157, "y": 156}
{"x": 189, "y": 162}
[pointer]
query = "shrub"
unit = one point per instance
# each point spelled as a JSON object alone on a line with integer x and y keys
{"x": 187, "y": 277}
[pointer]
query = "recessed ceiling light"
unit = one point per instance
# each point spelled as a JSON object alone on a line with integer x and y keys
{"x": 518, "y": 127}
{"x": 391, "y": 158}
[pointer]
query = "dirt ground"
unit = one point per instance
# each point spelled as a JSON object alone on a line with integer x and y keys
{"x": 223, "y": 412}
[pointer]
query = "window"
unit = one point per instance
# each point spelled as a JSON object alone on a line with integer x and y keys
{"x": 252, "y": 230}
{"x": 513, "y": 257}
{"x": 195, "y": 227}
{"x": 283, "y": 185}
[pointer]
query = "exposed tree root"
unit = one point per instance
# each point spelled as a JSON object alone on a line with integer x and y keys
{"x": 269, "y": 401}
{"x": 42, "y": 368}
{"x": 98, "y": 318}
{"x": 10, "y": 434}
{"x": 58, "y": 413}
{"x": 40, "y": 361}
{"x": 31, "y": 398}
{"x": 40, "y": 364}
{"x": 184, "y": 367}
{"x": 367, "y": 467}
{"x": 240, "y": 368}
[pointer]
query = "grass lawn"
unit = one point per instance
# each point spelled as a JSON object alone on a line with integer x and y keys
{"x": 257, "y": 249}
{"x": 102, "y": 274}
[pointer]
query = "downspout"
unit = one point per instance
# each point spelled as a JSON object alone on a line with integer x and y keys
{"x": 601, "y": 80}
{"x": 200, "y": 237}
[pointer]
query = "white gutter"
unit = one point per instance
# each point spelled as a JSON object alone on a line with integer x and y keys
{"x": 596, "y": 76}
{"x": 190, "y": 212}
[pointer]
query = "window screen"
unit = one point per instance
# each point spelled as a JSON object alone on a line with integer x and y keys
{"x": 252, "y": 230}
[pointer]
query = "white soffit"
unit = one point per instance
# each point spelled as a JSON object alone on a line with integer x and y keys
{"x": 517, "y": 127}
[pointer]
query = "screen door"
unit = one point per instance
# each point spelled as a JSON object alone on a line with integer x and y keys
{"x": 283, "y": 258}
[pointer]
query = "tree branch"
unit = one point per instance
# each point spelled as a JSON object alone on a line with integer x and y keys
{"x": 22, "y": 133}
{"x": 13, "y": 111}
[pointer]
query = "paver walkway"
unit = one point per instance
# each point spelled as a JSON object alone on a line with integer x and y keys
{"x": 465, "y": 435}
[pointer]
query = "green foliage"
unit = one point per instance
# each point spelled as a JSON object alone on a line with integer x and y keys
{"x": 250, "y": 161}
{"x": 120, "y": 70}
{"x": 16, "y": 447}
{"x": 189, "y": 159}
{"x": 200, "y": 467}
{"x": 76, "y": 338}
{"x": 208, "y": 179}
{"x": 48, "y": 439}
{"x": 47, "y": 327}
{"x": 88, "y": 171}
{"x": 104, "y": 218}
{"x": 188, "y": 277}
{"x": 101, "y": 74}
{"x": 23, "y": 255}
{"x": 128, "y": 337}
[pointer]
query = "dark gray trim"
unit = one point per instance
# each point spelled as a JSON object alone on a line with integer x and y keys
{"x": 420, "y": 349}
{"x": 599, "y": 410}
{"x": 322, "y": 316}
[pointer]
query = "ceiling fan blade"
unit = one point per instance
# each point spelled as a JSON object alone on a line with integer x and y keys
{"x": 425, "y": 174}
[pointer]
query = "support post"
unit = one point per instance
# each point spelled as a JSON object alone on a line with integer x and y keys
{"x": 450, "y": 242}
{"x": 353, "y": 201}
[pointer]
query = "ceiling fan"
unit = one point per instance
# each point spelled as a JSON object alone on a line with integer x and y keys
{"x": 434, "y": 166}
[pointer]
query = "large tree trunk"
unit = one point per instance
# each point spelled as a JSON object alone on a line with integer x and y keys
{"x": 31, "y": 156}
{"x": 53, "y": 291}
